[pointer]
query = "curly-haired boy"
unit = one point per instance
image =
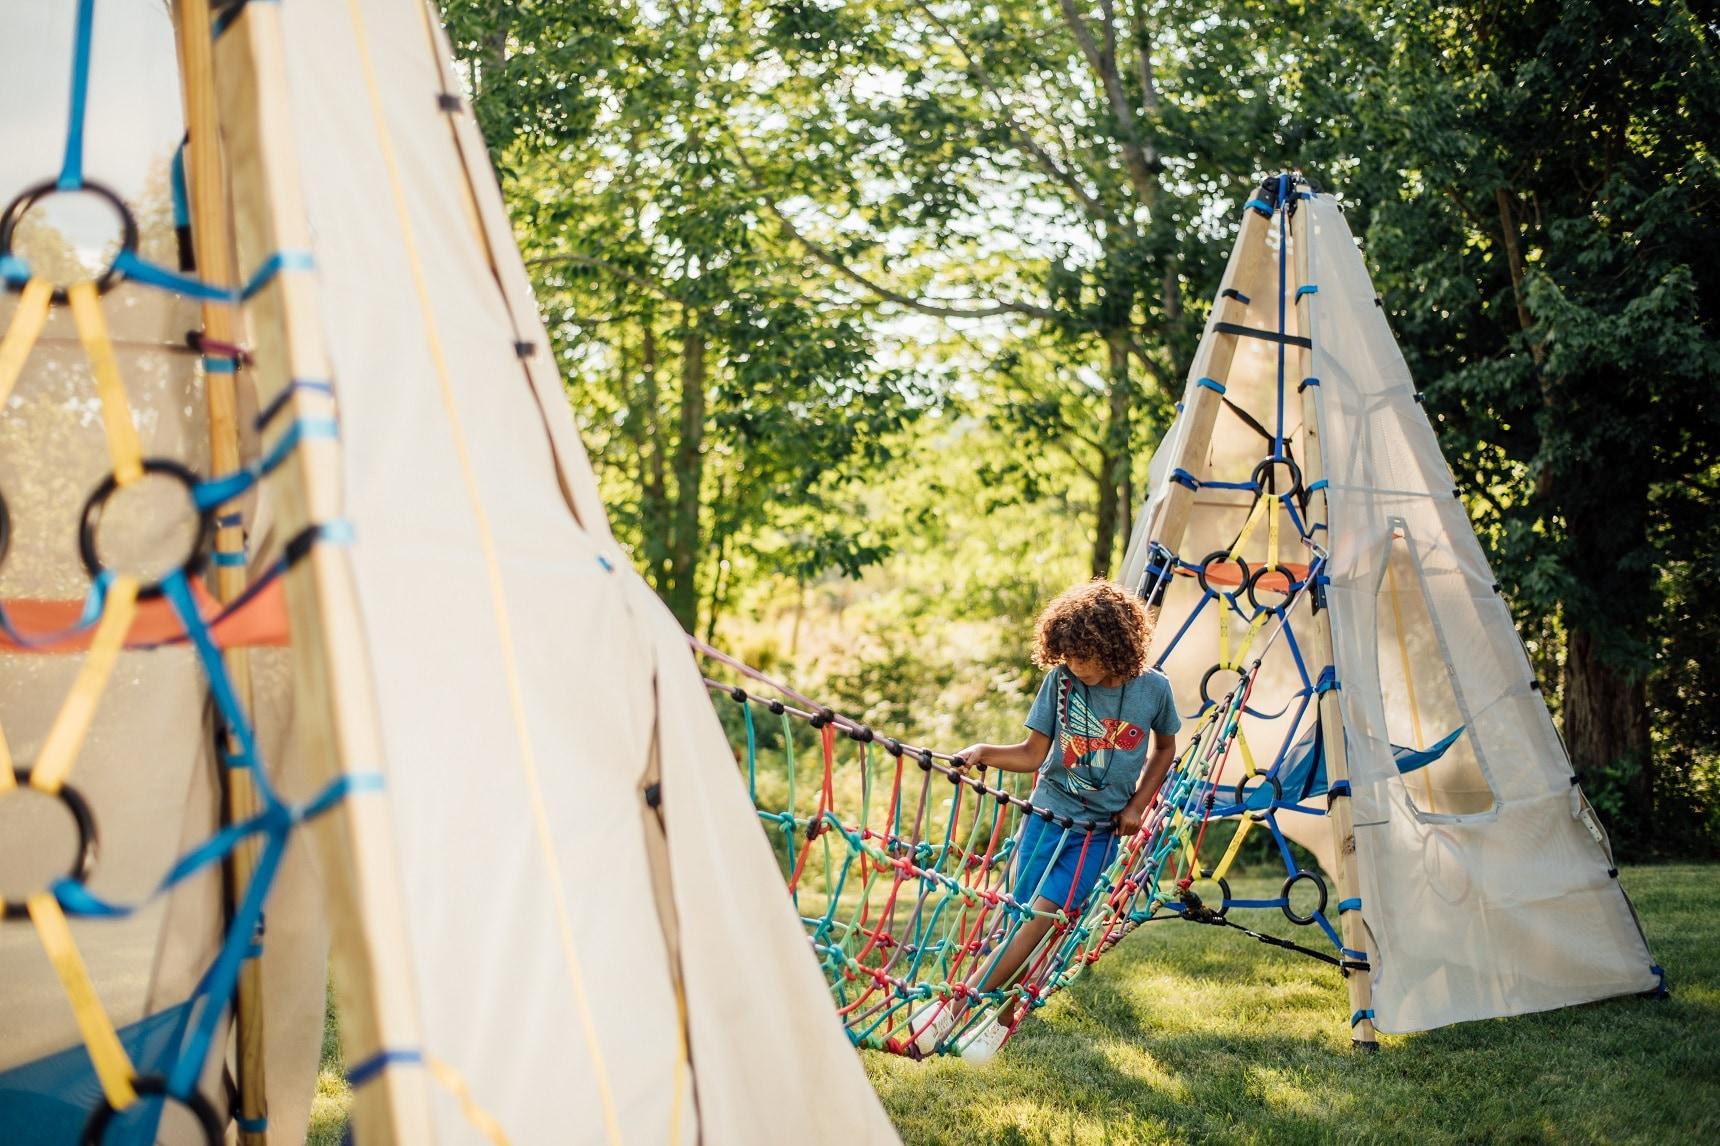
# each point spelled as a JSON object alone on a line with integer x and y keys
{"x": 1087, "y": 740}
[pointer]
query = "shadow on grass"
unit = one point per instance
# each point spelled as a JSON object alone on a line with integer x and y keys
{"x": 1192, "y": 1034}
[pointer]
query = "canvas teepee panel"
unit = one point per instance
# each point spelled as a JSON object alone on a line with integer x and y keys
{"x": 1485, "y": 884}
{"x": 1489, "y": 891}
{"x": 529, "y": 687}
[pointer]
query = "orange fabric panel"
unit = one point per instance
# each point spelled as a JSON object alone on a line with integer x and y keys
{"x": 1226, "y": 575}
{"x": 261, "y": 622}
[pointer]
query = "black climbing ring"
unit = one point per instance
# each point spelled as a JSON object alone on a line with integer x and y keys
{"x": 1319, "y": 908}
{"x": 1223, "y": 907}
{"x": 1252, "y": 585}
{"x": 1206, "y": 679}
{"x": 92, "y": 517}
{"x": 154, "y": 1085}
{"x": 1263, "y": 470}
{"x": 85, "y": 822}
{"x": 20, "y": 207}
{"x": 1221, "y": 556}
{"x": 1242, "y": 793}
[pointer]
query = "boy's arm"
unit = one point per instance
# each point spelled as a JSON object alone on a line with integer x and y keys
{"x": 1026, "y": 756}
{"x": 1152, "y": 778}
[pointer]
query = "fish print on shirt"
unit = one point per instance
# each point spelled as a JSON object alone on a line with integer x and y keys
{"x": 1081, "y": 733}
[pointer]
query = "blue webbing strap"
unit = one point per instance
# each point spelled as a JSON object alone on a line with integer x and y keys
{"x": 274, "y": 265}
{"x": 224, "y": 489}
{"x": 178, "y": 591}
{"x": 181, "y": 198}
{"x": 1352, "y": 904}
{"x": 1283, "y": 329}
{"x": 1306, "y": 288}
{"x": 1211, "y": 385}
{"x": 138, "y": 269}
{"x": 1328, "y": 680}
{"x": 72, "y": 168}
{"x": 1183, "y": 477}
{"x": 1260, "y": 205}
{"x": 379, "y": 1062}
{"x": 80, "y": 901}
{"x": 1356, "y": 1018}
{"x": 279, "y": 401}
{"x": 224, "y": 974}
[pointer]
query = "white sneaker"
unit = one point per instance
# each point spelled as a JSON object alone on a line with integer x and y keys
{"x": 932, "y": 1024}
{"x": 981, "y": 1047}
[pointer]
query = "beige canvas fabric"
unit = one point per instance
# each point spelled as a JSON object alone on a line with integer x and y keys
{"x": 1218, "y": 516}
{"x": 1484, "y": 878}
{"x": 518, "y": 663}
{"x": 518, "y": 660}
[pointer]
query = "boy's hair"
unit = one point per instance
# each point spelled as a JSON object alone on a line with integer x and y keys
{"x": 1096, "y": 621}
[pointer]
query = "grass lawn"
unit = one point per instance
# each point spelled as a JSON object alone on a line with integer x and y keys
{"x": 1188, "y": 1032}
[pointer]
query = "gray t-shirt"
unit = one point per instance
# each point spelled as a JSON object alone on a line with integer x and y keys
{"x": 1099, "y": 740}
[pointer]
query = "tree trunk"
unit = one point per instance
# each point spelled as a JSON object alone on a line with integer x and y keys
{"x": 720, "y": 579}
{"x": 1606, "y": 717}
{"x": 681, "y": 594}
{"x": 1113, "y": 453}
{"x": 654, "y": 525}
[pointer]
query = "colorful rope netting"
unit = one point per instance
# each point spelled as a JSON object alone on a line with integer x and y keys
{"x": 898, "y": 859}
{"x": 110, "y": 606}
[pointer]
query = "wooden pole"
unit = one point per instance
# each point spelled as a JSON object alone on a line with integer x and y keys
{"x": 212, "y": 242}
{"x": 332, "y": 674}
{"x": 1350, "y": 923}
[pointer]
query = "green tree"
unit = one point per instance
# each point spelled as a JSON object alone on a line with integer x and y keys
{"x": 1061, "y": 170}
{"x": 730, "y": 402}
{"x": 1536, "y": 182}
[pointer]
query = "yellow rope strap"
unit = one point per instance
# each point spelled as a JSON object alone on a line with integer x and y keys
{"x": 454, "y": 1083}
{"x": 1272, "y": 511}
{"x": 1408, "y": 677}
{"x": 1254, "y": 516}
{"x": 1243, "y": 823}
{"x": 77, "y": 712}
{"x": 72, "y": 723}
{"x": 123, "y": 448}
{"x": 113, "y": 1065}
{"x": 22, "y": 333}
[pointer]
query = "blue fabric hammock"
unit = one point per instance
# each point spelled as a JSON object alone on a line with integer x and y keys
{"x": 1302, "y": 776}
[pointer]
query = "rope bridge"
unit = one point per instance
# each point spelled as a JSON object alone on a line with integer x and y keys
{"x": 898, "y": 857}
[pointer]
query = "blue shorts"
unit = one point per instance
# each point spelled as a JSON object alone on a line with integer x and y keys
{"x": 1075, "y": 869}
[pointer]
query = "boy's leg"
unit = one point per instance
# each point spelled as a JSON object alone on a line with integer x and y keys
{"x": 1015, "y": 955}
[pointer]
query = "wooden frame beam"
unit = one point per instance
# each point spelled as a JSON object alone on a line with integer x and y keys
{"x": 332, "y": 673}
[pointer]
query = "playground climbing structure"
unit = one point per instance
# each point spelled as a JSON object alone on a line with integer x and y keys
{"x": 1352, "y": 681}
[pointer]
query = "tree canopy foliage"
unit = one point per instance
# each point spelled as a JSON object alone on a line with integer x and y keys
{"x": 905, "y": 288}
